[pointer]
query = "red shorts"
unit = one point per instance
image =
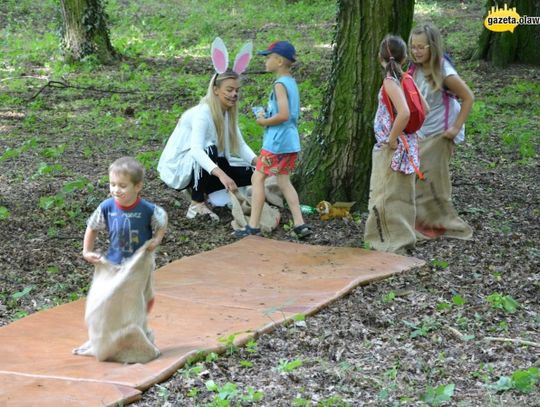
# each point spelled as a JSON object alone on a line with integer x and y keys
{"x": 276, "y": 164}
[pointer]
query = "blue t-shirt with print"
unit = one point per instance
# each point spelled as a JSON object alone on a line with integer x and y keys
{"x": 128, "y": 228}
{"x": 283, "y": 138}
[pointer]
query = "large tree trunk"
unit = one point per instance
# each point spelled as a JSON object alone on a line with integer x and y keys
{"x": 336, "y": 163}
{"x": 523, "y": 45}
{"x": 85, "y": 31}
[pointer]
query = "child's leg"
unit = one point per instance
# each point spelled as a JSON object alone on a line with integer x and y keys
{"x": 291, "y": 196}
{"x": 257, "y": 198}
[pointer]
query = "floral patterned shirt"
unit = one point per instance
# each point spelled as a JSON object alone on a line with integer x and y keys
{"x": 382, "y": 126}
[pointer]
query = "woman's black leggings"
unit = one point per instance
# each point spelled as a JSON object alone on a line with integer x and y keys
{"x": 209, "y": 183}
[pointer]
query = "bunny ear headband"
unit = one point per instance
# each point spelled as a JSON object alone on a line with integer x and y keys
{"x": 220, "y": 57}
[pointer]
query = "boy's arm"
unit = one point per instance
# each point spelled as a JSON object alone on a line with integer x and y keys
{"x": 283, "y": 108}
{"x": 161, "y": 221}
{"x": 88, "y": 246}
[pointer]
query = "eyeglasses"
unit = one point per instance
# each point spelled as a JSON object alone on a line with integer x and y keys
{"x": 419, "y": 47}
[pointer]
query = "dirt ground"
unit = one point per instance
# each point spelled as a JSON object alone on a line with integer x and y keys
{"x": 385, "y": 343}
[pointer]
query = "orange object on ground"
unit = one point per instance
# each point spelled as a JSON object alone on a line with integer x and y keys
{"x": 199, "y": 299}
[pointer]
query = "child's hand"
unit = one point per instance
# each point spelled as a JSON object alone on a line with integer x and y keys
{"x": 260, "y": 120}
{"x": 451, "y": 133}
{"x": 392, "y": 144}
{"x": 92, "y": 257}
{"x": 154, "y": 243}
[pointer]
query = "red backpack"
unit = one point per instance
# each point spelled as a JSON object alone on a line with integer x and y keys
{"x": 446, "y": 93}
{"x": 414, "y": 102}
{"x": 417, "y": 113}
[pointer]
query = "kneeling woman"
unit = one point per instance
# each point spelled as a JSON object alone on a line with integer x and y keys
{"x": 206, "y": 150}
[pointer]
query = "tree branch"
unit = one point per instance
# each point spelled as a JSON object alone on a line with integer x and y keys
{"x": 516, "y": 341}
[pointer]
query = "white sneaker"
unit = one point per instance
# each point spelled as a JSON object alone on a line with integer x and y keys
{"x": 197, "y": 209}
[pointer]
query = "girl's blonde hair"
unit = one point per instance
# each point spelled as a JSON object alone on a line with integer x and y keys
{"x": 217, "y": 113}
{"x": 130, "y": 167}
{"x": 436, "y": 52}
{"x": 393, "y": 52}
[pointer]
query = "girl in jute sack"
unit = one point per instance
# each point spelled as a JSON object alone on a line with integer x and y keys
{"x": 390, "y": 224}
{"x": 440, "y": 84}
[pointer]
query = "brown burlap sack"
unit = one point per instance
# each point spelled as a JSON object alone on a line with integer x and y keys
{"x": 390, "y": 224}
{"x": 241, "y": 209}
{"x": 435, "y": 214}
{"x": 116, "y": 311}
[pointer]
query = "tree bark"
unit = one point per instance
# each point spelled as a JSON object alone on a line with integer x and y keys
{"x": 85, "y": 31}
{"x": 521, "y": 46}
{"x": 336, "y": 163}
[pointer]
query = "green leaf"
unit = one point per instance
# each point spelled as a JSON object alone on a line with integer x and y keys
{"x": 228, "y": 391}
{"x": 211, "y": 385}
{"x": 439, "y": 394}
{"x": 286, "y": 366}
{"x": 20, "y": 294}
{"x": 442, "y": 306}
{"x": 52, "y": 269}
{"x": 439, "y": 264}
{"x": 509, "y": 304}
{"x": 504, "y": 383}
{"x": 389, "y": 297}
{"x": 525, "y": 380}
{"x": 246, "y": 363}
{"x": 458, "y": 300}
{"x": 4, "y": 213}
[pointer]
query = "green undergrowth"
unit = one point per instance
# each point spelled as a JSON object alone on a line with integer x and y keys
{"x": 56, "y": 143}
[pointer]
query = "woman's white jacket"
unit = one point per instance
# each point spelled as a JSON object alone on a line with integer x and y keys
{"x": 186, "y": 150}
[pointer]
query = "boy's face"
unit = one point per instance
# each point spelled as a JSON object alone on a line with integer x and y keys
{"x": 122, "y": 188}
{"x": 273, "y": 62}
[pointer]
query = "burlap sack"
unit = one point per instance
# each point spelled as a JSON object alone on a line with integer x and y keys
{"x": 241, "y": 209}
{"x": 116, "y": 313}
{"x": 435, "y": 213}
{"x": 272, "y": 192}
{"x": 390, "y": 224}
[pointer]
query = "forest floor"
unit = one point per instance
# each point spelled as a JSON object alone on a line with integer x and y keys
{"x": 425, "y": 336}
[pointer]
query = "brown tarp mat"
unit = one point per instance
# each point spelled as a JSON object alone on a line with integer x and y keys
{"x": 243, "y": 288}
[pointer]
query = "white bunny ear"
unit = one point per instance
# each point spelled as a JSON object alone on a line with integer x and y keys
{"x": 220, "y": 56}
{"x": 243, "y": 57}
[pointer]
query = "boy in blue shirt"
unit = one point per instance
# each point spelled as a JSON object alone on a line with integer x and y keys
{"x": 129, "y": 220}
{"x": 281, "y": 142}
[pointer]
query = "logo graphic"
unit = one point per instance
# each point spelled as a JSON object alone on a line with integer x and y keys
{"x": 500, "y": 20}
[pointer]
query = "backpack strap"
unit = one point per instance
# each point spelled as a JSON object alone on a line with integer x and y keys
{"x": 388, "y": 103}
{"x": 446, "y": 103}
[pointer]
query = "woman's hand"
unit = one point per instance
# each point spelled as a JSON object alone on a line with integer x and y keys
{"x": 228, "y": 182}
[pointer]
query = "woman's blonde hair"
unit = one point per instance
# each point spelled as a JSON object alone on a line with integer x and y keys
{"x": 436, "y": 52}
{"x": 217, "y": 113}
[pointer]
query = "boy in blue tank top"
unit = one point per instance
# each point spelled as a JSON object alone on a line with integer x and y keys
{"x": 281, "y": 142}
{"x": 129, "y": 220}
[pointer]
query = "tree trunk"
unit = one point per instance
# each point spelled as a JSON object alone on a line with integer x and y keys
{"x": 85, "y": 31}
{"x": 522, "y": 46}
{"x": 336, "y": 163}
